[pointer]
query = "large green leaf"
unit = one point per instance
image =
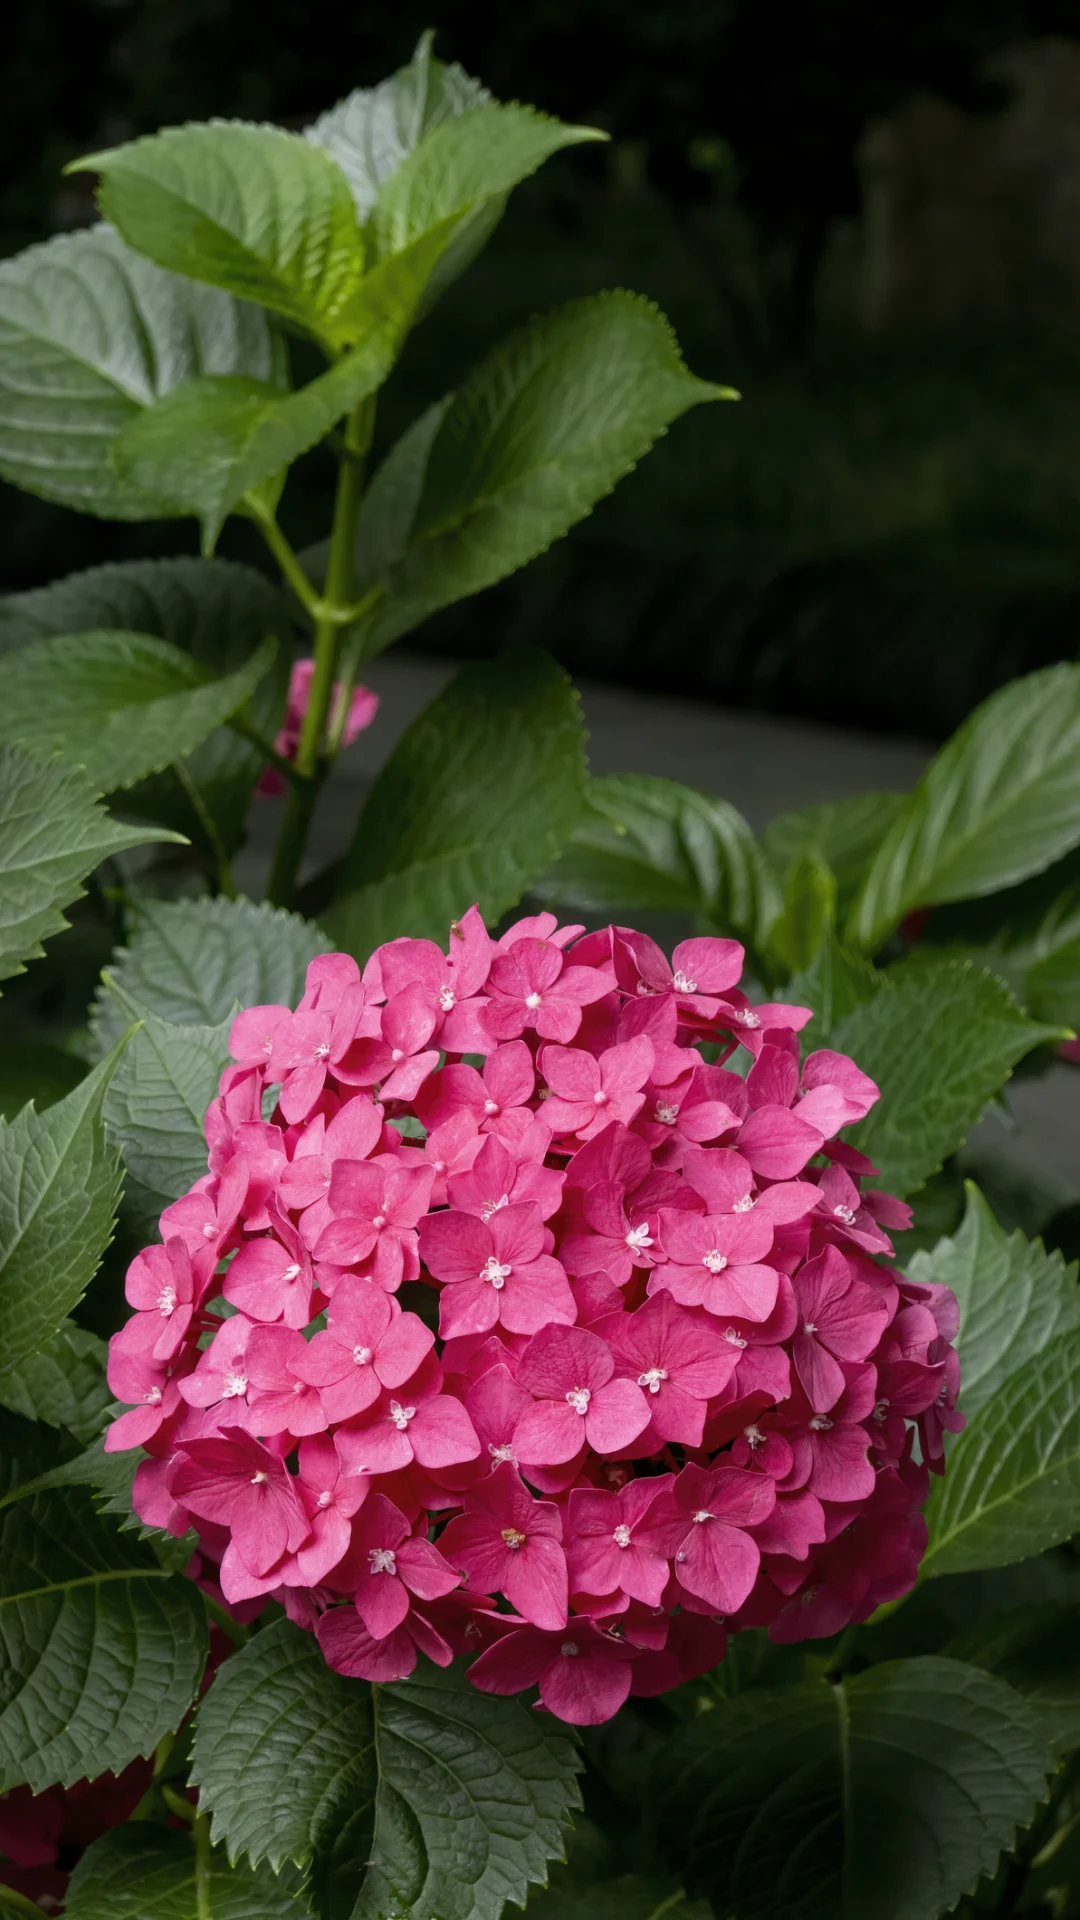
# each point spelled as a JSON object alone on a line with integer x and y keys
{"x": 536, "y": 435}
{"x": 647, "y": 842}
{"x": 1036, "y": 1649}
{"x": 223, "y": 443}
{"x": 144, "y": 1872}
{"x": 834, "y": 984}
{"x": 259, "y": 212}
{"x": 883, "y": 1796}
{"x": 477, "y": 798}
{"x": 190, "y": 961}
{"x": 156, "y": 1106}
{"x": 218, "y": 612}
{"x": 843, "y": 834}
{"x": 63, "y": 1384}
{"x": 59, "y": 1188}
{"x": 53, "y": 832}
{"x": 90, "y": 334}
{"x": 941, "y": 1040}
{"x": 101, "y": 1652}
{"x": 1000, "y": 801}
{"x": 1016, "y": 1300}
{"x": 120, "y": 705}
{"x": 418, "y": 1798}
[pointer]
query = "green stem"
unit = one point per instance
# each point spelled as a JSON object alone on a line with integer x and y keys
{"x": 667, "y": 1906}
{"x": 179, "y": 1804}
{"x": 270, "y": 753}
{"x": 18, "y": 1903}
{"x": 285, "y": 556}
{"x": 221, "y": 1617}
{"x": 200, "y": 1833}
{"x": 226, "y": 883}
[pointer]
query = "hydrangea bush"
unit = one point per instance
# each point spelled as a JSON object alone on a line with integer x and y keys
{"x": 480, "y": 1401}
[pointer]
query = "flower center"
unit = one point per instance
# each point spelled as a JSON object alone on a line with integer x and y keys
{"x": 401, "y": 1415}
{"x": 446, "y": 998}
{"x": 513, "y": 1538}
{"x": 714, "y": 1260}
{"x": 819, "y": 1424}
{"x": 600, "y": 1098}
{"x": 495, "y": 1273}
{"x": 325, "y": 1498}
{"x": 621, "y": 1536}
{"x": 381, "y": 1560}
{"x": 748, "y": 1018}
{"x": 702, "y": 1515}
{"x": 397, "y": 1054}
{"x": 733, "y": 1339}
{"x": 290, "y": 1273}
{"x": 379, "y": 1221}
{"x": 492, "y": 1206}
{"x": 322, "y": 1051}
{"x": 881, "y": 1408}
{"x": 233, "y": 1385}
{"x": 653, "y": 1377}
{"x": 153, "y": 1397}
{"x": 846, "y": 1214}
{"x": 666, "y": 1113}
{"x": 809, "y": 1327}
{"x": 578, "y": 1398}
{"x": 569, "y": 1648}
{"x": 491, "y": 1106}
{"x": 500, "y": 1453}
{"x": 638, "y": 1239}
{"x": 532, "y": 1001}
{"x": 259, "y": 1479}
{"x": 166, "y": 1301}
{"x": 753, "y": 1437}
{"x": 744, "y": 1204}
{"x": 683, "y": 985}
{"x": 361, "y": 1355}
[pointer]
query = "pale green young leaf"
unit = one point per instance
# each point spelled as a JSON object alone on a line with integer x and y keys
{"x": 420, "y": 1797}
{"x": 59, "y": 1187}
{"x": 1000, "y": 801}
{"x": 1035, "y": 1649}
{"x": 374, "y": 129}
{"x": 477, "y": 797}
{"x": 190, "y": 961}
{"x": 215, "y": 610}
{"x": 220, "y": 444}
{"x": 101, "y": 1652}
{"x": 940, "y": 1041}
{"x": 145, "y": 1872}
{"x": 651, "y": 843}
{"x": 119, "y": 705}
{"x": 90, "y": 334}
{"x": 156, "y": 1106}
{"x": 808, "y": 915}
{"x": 53, "y": 832}
{"x": 261, "y": 213}
{"x": 1016, "y": 1300}
{"x": 881, "y": 1796}
{"x": 537, "y": 434}
{"x": 841, "y": 834}
{"x": 460, "y": 163}
{"x": 63, "y": 1384}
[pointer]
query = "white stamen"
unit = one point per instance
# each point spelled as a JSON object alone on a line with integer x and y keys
{"x": 233, "y": 1385}
{"x": 492, "y": 1206}
{"x": 325, "y": 1498}
{"x": 495, "y": 1273}
{"x": 153, "y": 1397}
{"x": 881, "y": 1408}
{"x": 259, "y": 1479}
{"x": 208, "y": 1230}
{"x": 532, "y": 1001}
{"x": 379, "y": 1221}
{"x": 299, "y": 1385}
{"x": 401, "y": 1415}
{"x": 322, "y": 1051}
{"x": 652, "y": 1378}
{"x": 702, "y": 1515}
{"x": 714, "y": 1260}
{"x": 846, "y": 1214}
{"x": 446, "y": 998}
{"x": 638, "y": 1239}
{"x": 166, "y": 1301}
{"x": 569, "y": 1648}
{"x": 491, "y": 1106}
{"x": 290, "y": 1273}
{"x": 504, "y": 1452}
{"x": 621, "y": 1536}
{"x": 578, "y": 1398}
{"x": 666, "y": 1113}
{"x": 819, "y": 1424}
{"x": 809, "y": 1327}
{"x": 747, "y": 1018}
{"x": 381, "y": 1560}
{"x": 600, "y": 1098}
{"x": 361, "y": 1355}
{"x": 513, "y": 1538}
{"x": 744, "y": 1204}
{"x": 734, "y": 1339}
{"x": 397, "y": 1054}
{"x": 268, "y": 1045}
{"x": 682, "y": 985}
{"x": 754, "y": 1437}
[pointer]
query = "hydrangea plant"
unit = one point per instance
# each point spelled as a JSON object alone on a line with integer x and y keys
{"x": 483, "y": 1403}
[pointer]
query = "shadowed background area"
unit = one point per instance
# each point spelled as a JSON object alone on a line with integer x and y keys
{"x": 866, "y": 218}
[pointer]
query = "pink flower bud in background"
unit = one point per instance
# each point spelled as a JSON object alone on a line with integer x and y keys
{"x": 363, "y": 706}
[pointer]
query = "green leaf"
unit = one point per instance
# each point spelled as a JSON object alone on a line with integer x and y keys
{"x": 143, "y": 1872}
{"x": 261, "y": 213}
{"x": 453, "y": 1802}
{"x": 647, "y": 842}
{"x": 190, "y": 961}
{"x": 156, "y": 1106}
{"x": 119, "y": 704}
{"x": 1000, "y": 801}
{"x": 539, "y": 432}
{"x": 476, "y": 799}
{"x": 1036, "y": 1649}
{"x": 89, "y": 335}
{"x": 1016, "y": 1300}
{"x": 941, "y": 1040}
{"x": 101, "y": 1652}
{"x": 215, "y": 610}
{"x": 461, "y": 162}
{"x": 59, "y": 1188}
{"x": 63, "y": 1384}
{"x": 834, "y": 984}
{"x": 224, "y": 442}
{"x": 630, "y": 1897}
{"x": 53, "y": 832}
{"x": 883, "y": 1796}
{"x": 808, "y": 914}
{"x": 841, "y": 834}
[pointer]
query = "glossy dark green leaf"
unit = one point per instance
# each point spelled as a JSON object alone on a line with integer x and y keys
{"x": 841, "y": 834}
{"x": 144, "y": 1872}
{"x": 62, "y": 1384}
{"x": 1037, "y": 1650}
{"x": 156, "y": 1107}
{"x": 834, "y": 984}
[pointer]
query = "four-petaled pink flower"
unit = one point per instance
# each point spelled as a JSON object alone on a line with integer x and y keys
{"x": 494, "y": 1271}
{"x": 701, "y": 1526}
{"x": 587, "y": 1094}
{"x": 533, "y": 985}
{"x": 368, "y": 1344}
{"x": 839, "y": 1319}
{"x": 388, "y": 1562}
{"x": 716, "y": 1262}
{"x": 679, "y": 1361}
{"x": 570, "y": 1373}
{"x": 505, "y": 1541}
{"x": 607, "y": 1552}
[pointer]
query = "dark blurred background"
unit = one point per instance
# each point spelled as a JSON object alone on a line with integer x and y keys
{"x": 864, "y": 213}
